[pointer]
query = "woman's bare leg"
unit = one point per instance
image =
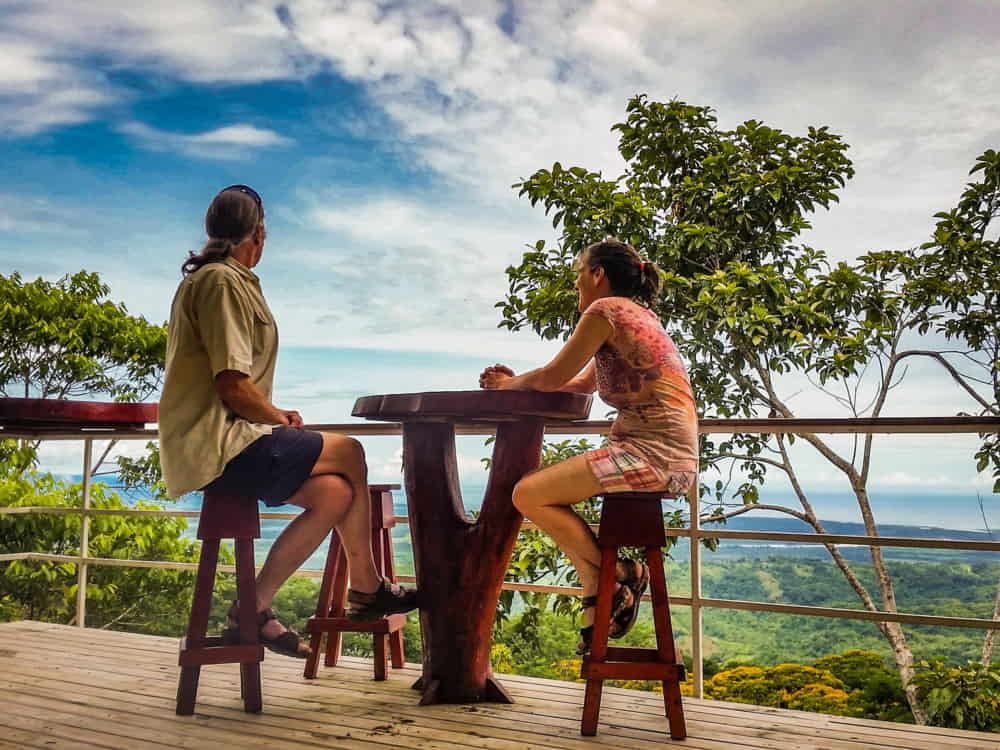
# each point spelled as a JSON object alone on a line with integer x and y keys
{"x": 545, "y": 497}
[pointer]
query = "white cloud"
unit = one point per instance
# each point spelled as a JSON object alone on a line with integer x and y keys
{"x": 38, "y": 92}
{"x": 909, "y": 85}
{"x": 229, "y": 142}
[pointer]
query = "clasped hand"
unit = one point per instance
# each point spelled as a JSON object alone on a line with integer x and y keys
{"x": 494, "y": 377}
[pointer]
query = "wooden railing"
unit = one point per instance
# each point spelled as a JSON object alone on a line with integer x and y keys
{"x": 696, "y": 601}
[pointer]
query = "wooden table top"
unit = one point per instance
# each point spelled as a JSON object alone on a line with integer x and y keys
{"x": 473, "y": 406}
{"x": 41, "y": 413}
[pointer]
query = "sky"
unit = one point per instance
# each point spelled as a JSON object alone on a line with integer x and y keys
{"x": 385, "y": 137}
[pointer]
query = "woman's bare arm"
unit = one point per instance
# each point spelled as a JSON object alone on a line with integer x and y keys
{"x": 590, "y": 334}
{"x": 585, "y": 382}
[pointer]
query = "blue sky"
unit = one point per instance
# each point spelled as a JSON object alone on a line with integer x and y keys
{"x": 384, "y": 138}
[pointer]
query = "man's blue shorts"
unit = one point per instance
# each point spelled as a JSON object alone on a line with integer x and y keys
{"x": 273, "y": 467}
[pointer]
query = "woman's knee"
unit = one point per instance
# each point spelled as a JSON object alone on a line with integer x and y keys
{"x": 524, "y": 497}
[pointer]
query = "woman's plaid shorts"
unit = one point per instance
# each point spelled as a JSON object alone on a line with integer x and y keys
{"x": 620, "y": 470}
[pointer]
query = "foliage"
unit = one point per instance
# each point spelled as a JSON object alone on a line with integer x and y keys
{"x": 952, "y": 287}
{"x": 139, "y": 599}
{"x": 65, "y": 339}
{"x": 875, "y": 690}
{"x": 784, "y": 686}
{"x": 143, "y": 474}
{"x": 963, "y": 697}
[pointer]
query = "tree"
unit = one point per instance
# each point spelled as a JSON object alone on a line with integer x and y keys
{"x": 952, "y": 288}
{"x": 146, "y": 600}
{"x": 66, "y": 339}
{"x": 753, "y": 313}
{"x": 875, "y": 690}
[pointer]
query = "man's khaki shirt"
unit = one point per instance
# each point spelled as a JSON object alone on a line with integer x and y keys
{"x": 218, "y": 321}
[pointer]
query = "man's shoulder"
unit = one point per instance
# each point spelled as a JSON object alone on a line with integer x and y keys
{"x": 219, "y": 273}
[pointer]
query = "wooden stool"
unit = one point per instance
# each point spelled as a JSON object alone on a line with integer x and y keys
{"x": 633, "y": 519}
{"x": 223, "y": 517}
{"x": 330, "y": 618}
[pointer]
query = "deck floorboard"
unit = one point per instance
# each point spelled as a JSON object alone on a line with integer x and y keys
{"x": 68, "y": 687}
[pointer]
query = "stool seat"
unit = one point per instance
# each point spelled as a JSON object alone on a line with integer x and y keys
{"x": 330, "y": 619}
{"x": 633, "y": 519}
{"x": 233, "y": 517}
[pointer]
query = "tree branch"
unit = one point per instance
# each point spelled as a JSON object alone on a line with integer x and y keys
{"x": 955, "y": 374}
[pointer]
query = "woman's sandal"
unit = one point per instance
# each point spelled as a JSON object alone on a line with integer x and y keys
{"x": 636, "y": 581}
{"x": 287, "y": 643}
{"x": 388, "y": 599}
{"x": 621, "y": 601}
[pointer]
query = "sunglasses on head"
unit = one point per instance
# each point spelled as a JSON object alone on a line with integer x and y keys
{"x": 247, "y": 190}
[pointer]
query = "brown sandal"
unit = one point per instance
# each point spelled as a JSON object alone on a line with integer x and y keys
{"x": 621, "y": 602}
{"x": 636, "y": 581}
{"x": 287, "y": 643}
{"x": 388, "y": 599}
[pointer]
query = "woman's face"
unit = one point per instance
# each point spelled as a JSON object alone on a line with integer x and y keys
{"x": 588, "y": 282}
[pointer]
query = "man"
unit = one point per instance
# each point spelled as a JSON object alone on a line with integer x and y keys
{"x": 219, "y": 429}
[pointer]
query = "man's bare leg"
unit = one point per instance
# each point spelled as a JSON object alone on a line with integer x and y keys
{"x": 334, "y": 496}
{"x": 345, "y": 456}
{"x": 324, "y": 500}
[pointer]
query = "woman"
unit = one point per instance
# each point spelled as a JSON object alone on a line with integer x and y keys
{"x": 653, "y": 444}
{"x": 219, "y": 429}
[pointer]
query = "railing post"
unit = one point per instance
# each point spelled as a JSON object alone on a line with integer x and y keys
{"x": 81, "y": 567}
{"x": 697, "y": 666}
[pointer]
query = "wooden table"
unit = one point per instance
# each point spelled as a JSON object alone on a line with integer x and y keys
{"x": 53, "y": 415}
{"x": 460, "y": 563}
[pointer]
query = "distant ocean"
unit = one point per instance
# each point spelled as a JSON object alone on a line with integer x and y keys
{"x": 892, "y": 512}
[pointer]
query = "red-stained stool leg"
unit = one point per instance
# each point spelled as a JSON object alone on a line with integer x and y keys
{"x": 246, "y": 593}
{"x": 337, "y": 607}
{"x": 396, "y": 653}
{"x": 223, "y": 517}
{"x": 330, "y": 616}
{"x": 324, "y": 604}
{"x": 187, "y": 686}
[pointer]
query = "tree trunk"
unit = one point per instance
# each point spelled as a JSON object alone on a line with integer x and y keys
{"x": 892, "y": 631}
{"x": 461, "y": 564}
{"x": 991, "y": 634}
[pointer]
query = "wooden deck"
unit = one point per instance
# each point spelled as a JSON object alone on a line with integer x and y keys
{"x": 67, "y": 687}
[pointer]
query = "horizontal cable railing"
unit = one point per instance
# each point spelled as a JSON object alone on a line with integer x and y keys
{"x": 695, "y": 532}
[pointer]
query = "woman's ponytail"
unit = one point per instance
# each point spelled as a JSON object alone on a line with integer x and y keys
{"x": 650, "y": 282}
